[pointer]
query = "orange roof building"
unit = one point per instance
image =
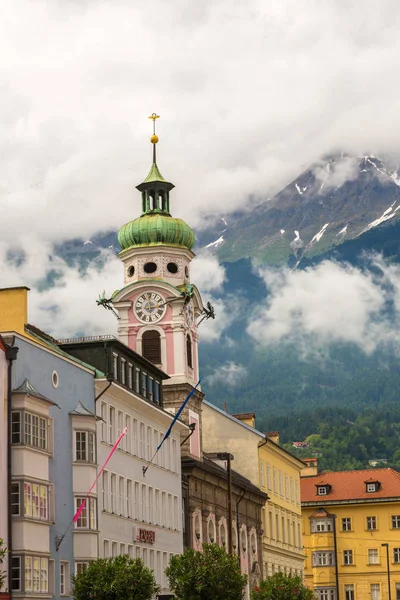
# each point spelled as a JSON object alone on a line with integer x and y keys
{"x": 351, "y": 533}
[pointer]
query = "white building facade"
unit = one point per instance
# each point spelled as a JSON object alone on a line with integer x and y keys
{"x": 138, "y": 498}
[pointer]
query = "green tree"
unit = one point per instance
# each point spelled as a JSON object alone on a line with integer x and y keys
{"x": 212, "y": 574}
{"x": 3, "y": 554}
{"x": 282, "y": 587}
{"x": 118, "y": 578}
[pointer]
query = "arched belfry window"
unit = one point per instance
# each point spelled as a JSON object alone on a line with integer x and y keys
{"x": 189, "y": 351}
{"x": 151, "y": 346}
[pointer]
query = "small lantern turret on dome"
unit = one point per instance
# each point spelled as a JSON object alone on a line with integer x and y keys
{"x": 155, "y": 189}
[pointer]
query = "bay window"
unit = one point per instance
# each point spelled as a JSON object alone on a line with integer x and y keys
{"x": 85, "y": 446}
{"x": 29, "y": 429}
{"x": 87, "y": 519}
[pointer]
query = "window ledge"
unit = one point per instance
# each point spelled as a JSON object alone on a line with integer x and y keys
{"x": 47, "y": 453}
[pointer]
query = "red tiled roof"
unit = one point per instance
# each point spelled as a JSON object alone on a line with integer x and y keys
{"x": 350, "y": 485}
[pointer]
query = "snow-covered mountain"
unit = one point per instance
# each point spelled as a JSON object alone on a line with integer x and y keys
{"x": 337, "y": 199}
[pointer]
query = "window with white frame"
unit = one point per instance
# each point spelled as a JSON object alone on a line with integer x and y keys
{"x": 372, "y": 487}
{"x": 292, "y": 489}
{"x": 375, "y": 589}
{"x": 115, "y": 366}
{"x": 349, "y": 592}
{"x": 262, "y": 474}
{"x": 106, "y": 548}
{"x": 326, "y": 593}
{"x": 36, "y": 501}
{"x": 121, "y": 502}
{"x": 143, "y": 502}
{"x": 396, "y": 555}
{"x": 137, "y": 380}
{"x": 142, "y": 442}
{"x": 149, "y": 438}
{"x": 113, "y": 493}
{"x": 318, "y": 525}
{"x": 64, "y": 578}
{"x": 120, "y": 423}
{"x": 29, "y": 429}
{"x": 144, "y": 384}
{"x": 104, "y": 421}
{"x": 130, "y": 376}
{"x": 269, "y": 477}
{"x": 157, "y": 507}
{"x": 287, "y": 487}
{"x": 123, "y": 371}
{"x": 114, "y": 549}
{"x": 348, "y": 557}
{"x": 136, "y": 500}
{"x": 371, "y": 523}
{"x": 36, "y": 574}
{"x": 87, "y": 518}
{"x": 346, "y": 524}
{"x": 15, "y": 499}
{"x": 134, "y": 436}
{"x": 111, "y": 425}
{"x": 281, "y": 488}
{"x": 127, "y": 437}
{"x": 174, "y": 457}
{"x": 323, "y": 559}
{"x": 16, "y": 577}
{"x": 129, "y": 498}
{"x": 150, "y": 505}
{"x": 396, "y": 521}
{"x": 85, "y": 444}
{"x": 373, "y": 556}
{"x": 275, "y": 482}
{"x": 157, "y": 393}
{"x": 175, "y": 524}
{"x": 322, "y": 490}
{"x": 80, "y": 567}
{"x": 151, "y": 389}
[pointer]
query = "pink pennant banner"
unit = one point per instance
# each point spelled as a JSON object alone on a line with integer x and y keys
{"x": 113, "y": 449}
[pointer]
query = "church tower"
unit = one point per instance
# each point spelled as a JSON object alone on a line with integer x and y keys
{"x": 158, "y": 306}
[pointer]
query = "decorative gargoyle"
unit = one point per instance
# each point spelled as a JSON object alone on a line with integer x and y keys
{"x": 106, "y": 303}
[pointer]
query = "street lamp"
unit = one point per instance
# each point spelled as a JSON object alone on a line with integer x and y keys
{"x": 388, "y": 569}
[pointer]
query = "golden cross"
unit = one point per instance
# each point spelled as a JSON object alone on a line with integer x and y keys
{"x": 154, "y": 116}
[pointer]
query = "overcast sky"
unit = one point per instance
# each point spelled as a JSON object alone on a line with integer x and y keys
{"x": 249, "y": 93}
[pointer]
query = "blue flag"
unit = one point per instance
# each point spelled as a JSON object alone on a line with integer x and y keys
{"x": 168, "y": 432}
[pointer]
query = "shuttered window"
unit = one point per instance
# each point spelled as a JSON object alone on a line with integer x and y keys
{"x": 152, "y": 346}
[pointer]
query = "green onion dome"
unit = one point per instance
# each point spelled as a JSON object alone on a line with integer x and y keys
{"x": 155, "y": 229}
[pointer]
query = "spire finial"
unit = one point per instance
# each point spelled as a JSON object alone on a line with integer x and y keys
{"x": 154, "y": 137}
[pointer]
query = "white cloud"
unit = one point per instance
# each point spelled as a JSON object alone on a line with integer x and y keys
{"x": 69, "y": 307}
{"x": 207, "y": 273}
{"x": 330, "y": 303}
{"x": 334, "y": 174}
{"x": 210, "y": 330}
{"x": 230, "y": 373}
{"x": 250, "y": 92}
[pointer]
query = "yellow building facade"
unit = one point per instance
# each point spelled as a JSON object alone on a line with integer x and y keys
{"x": 351, "y": 533}
{"x": 260, "y": 458}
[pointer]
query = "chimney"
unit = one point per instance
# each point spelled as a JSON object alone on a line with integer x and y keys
{"x": 311, "y": 468}
{"x": 248, "y": 418}
{"x": 273, "y": 436}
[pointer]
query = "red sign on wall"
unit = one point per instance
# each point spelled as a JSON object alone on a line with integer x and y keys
{"x": 145, "y": 535}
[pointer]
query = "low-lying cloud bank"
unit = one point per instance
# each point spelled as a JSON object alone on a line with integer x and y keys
{"x": 329, "y": 303}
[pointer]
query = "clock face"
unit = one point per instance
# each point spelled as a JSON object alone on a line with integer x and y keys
{"x": 150, "y": 307}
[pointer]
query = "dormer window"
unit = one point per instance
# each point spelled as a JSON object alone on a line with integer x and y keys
{"x": 323, "y": 489}
{"x": 372, "y": 486}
